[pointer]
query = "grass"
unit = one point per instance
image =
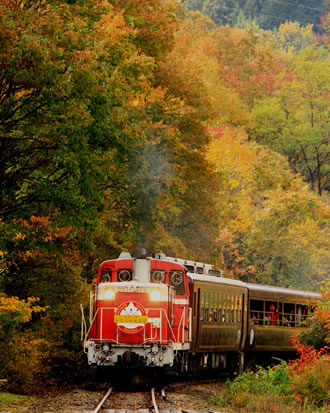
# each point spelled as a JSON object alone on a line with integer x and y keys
{"x": 16, "y": 403}
{"x": 267, "y": 390}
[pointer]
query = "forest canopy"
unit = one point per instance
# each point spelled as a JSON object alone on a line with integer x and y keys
{"x": 138, "y": 123}
{"x": 266, "y": 14}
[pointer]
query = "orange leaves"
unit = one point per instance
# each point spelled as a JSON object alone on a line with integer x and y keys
{"x": 38, "y": 238}
{"x": 42, "y": 228}
{"x": 112, "y": 27}
{"x": 252, "y": 69}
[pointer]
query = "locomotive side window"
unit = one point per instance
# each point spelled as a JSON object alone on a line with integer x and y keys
{"x": 124, "y": 275}
{"x": 158, "y": 277}
{"x": 106, "y": 276}
{"x": 177, "y": 281}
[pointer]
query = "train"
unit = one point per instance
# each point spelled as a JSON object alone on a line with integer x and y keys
{"x": 175, "y": 315}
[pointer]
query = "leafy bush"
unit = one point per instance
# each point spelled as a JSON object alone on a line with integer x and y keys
{"x": 310, "y": 375}
{"x": 21, "y": 351}
{"x": 311, "y": 387}
{"x": 266, "y": 389}
{"x": 317, "y": 333}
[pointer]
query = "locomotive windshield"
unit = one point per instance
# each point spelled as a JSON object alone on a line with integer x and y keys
{"x": 177, "y": 281}
{"x": 124, "y": 275}
{"x": 106, "y": 276}
{"x": 158, "y": 277}
{"x": 174, "y": 278}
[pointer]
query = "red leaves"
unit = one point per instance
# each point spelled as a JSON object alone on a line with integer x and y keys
{"x": 307, "y": 356}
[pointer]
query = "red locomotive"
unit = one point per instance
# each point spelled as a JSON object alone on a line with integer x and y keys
{"x": 173, "y": 313}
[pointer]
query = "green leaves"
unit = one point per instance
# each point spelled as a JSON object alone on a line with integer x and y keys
{"x": 294, "y": 121}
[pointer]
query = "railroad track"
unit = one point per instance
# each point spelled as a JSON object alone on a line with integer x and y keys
{"x": 153, "y": 408}
{"x": 122, "y": 400}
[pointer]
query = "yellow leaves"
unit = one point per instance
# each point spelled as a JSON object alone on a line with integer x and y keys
{"x": 19, "y": 236}
{"x": 233, "y": 159}
{"x": 14, "y": 310}
{"x": 112, "y": 27}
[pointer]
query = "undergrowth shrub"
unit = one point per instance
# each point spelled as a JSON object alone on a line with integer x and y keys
{"x": 311, "y": 376}
{"x": 264, "y": 390}
{"x": 21, "y": 349}
{"x": 311, "y": 387}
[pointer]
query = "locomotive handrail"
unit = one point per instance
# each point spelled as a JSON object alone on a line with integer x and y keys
{"x": 175, "y": 339}
{"x": 83, "y": 322}
{"x": 92, "y": 297}
{"x": 161, "y": 310}
{"x": 150, "y": 338}
{"x": 92, "y": 322}
{"x": 190, "y": 324}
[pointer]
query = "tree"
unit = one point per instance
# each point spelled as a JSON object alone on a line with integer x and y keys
{"x": 267, "y": 14}
{"x": 294, "y": 37}
{"x": 295, "y": 121}
{"x": 272, "y": 228}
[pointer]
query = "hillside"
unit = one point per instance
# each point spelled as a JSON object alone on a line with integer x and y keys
{"x": 267, "y": 14}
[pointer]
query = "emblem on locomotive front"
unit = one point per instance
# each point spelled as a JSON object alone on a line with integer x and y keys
{"x": 131, "y": 317}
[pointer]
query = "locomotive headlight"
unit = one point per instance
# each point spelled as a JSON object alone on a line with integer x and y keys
{"x": 154, "y": 295}
{"x": 108, "y": 294}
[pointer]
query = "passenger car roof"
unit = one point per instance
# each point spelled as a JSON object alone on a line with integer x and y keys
{"x": 216, "y": 280}
{"x": 282, "y": 292}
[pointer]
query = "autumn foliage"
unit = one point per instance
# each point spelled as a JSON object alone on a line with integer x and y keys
{"x": 130, "y": 123}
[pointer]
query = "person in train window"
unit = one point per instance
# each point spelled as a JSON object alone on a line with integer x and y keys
{"x": 267, "y": 321}
{"x": 253, "y": 319}
{"x": 286, "y": 322}
{"x": 271, "y": 314}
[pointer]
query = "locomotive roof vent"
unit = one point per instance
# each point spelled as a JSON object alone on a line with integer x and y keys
{"x": 215, "y": 273}
{"x": 124, "y": 255}
{"x": 142, "y": 254}
{"x": 160, "y": 256}
{"x": 194, "y": 267}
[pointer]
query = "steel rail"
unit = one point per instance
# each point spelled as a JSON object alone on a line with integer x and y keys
{"x": 99, "y": 406}
{"x": 155, "y": 407}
